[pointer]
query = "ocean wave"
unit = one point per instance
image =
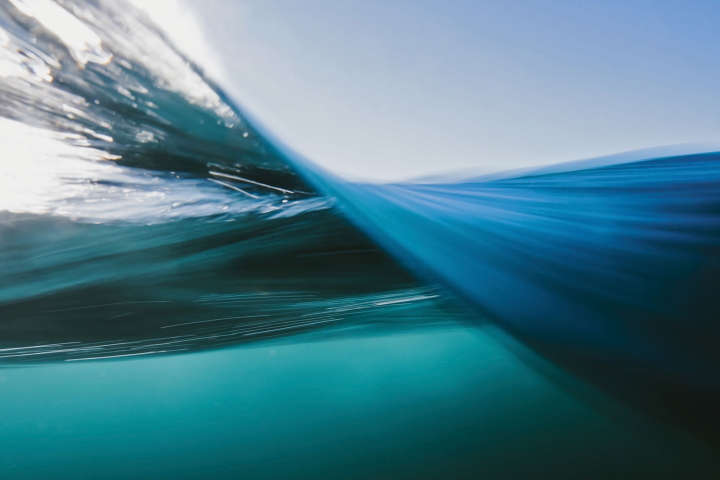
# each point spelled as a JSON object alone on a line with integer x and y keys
{"x": 142, "y": 212}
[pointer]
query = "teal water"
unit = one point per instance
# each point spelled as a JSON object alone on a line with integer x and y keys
{"x": 448, "y": 403}
{"x": 182, "y": 297}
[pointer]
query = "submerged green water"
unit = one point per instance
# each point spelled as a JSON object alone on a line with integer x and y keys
{"x": 438, "y": 403}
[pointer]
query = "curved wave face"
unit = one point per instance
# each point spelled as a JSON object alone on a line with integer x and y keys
{"x": 143, "y": 215}
{"x": 611, "y": 270}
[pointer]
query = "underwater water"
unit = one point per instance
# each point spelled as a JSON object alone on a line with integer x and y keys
{"x": 451, "y": 403}
{"x": 183, "y": 297}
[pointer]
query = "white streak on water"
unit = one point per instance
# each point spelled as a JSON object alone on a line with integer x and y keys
{"x": 214, "y": 320}
{"x": 114, "y": 356}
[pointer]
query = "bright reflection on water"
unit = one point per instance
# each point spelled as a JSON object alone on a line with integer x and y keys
{"x": 83, "y": 43}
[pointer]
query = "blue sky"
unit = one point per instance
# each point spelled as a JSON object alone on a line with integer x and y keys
{"x": 401, "y": 89}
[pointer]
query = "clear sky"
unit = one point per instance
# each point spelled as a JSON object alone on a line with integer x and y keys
{"x": 393, "y": 89}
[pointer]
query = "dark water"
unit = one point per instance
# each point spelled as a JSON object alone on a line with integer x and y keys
{"x": 181, "y": 297}
{"x": 611, "y": 271}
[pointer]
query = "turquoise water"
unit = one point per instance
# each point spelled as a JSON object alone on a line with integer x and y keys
{"x": 448, "y": 403}
{"x": 182, "y": 297}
